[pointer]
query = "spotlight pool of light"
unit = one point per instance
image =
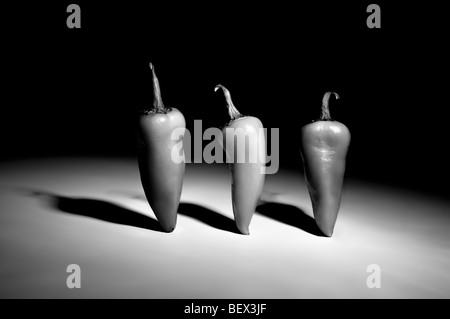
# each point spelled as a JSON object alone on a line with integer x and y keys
{"x": 92, "y": 212}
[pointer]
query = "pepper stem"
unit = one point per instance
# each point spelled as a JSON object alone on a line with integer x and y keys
{"x": 325, "y": 116}
{"x": 158, "y": 105}
{"x": 232, "y": 111}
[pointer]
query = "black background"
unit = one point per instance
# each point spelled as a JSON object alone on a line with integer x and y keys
{"x": 76, "y": 91}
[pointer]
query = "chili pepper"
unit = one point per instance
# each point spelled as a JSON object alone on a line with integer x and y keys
{"x": 324, "y": 149}
{"x": 161, "y": 177}
{"x": 246, "y": 162}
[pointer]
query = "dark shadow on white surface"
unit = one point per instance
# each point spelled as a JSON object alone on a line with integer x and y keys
{"x": 196, "y": 211}
{"x": 208, "y": 217}
{"x": 290, "y": 215}
{"x": 113, "y": 213}
{"x": 99, "y": 209}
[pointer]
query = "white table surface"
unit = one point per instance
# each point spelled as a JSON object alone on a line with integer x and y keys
{"x": 92, "y": 212}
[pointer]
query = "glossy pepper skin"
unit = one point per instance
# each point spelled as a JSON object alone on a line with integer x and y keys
{"x": 324, "y": 147}
{"x": 247, "y": 177}
{"x": 161, "y": 177}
